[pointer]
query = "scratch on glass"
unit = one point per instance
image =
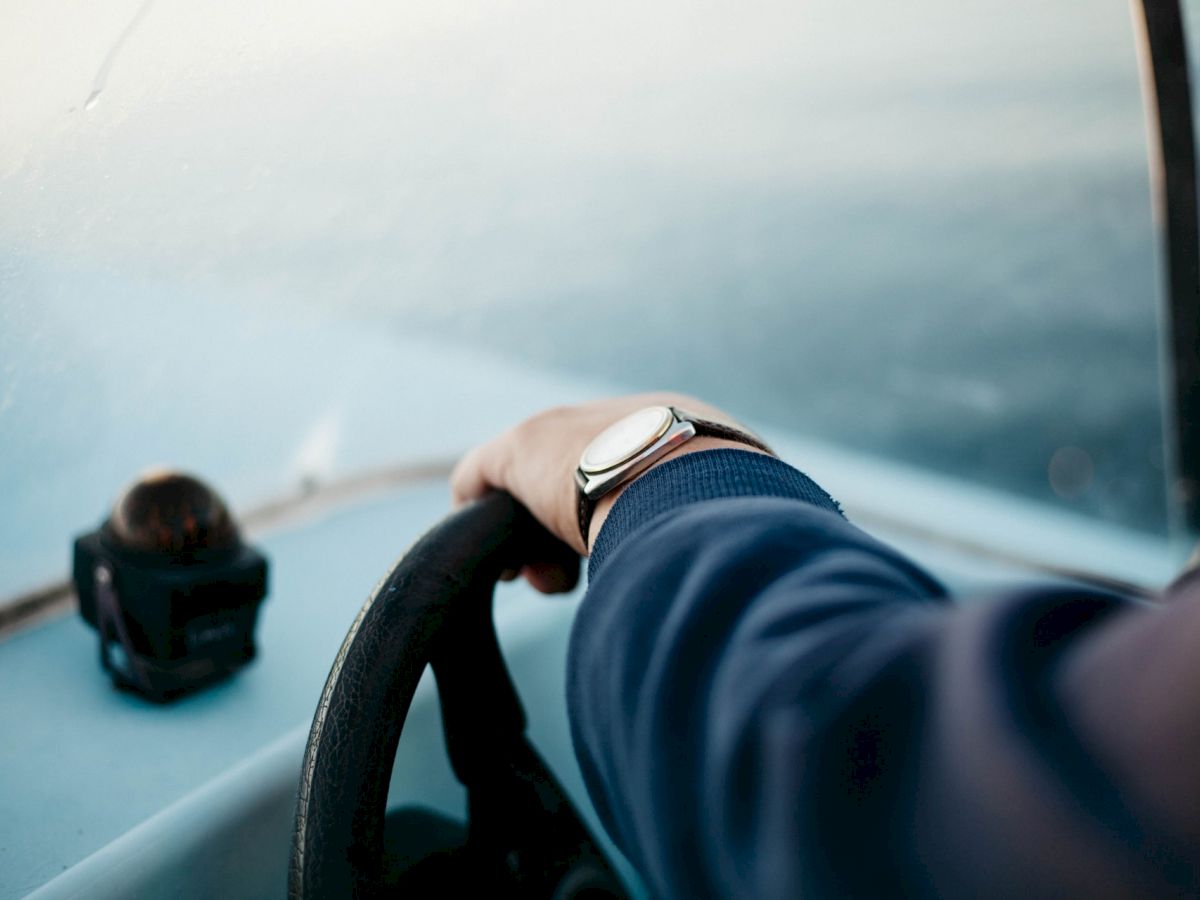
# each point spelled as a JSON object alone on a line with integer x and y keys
{"x": 101, "y": 79}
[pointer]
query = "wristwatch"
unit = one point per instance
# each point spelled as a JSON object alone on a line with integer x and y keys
{"x": 628, "y": 447}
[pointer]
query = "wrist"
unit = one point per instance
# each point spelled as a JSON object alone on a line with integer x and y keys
{"x": 697, "y": 444}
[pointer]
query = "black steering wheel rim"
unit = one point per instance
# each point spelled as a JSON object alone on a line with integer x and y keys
{"x": 434, "y": 608}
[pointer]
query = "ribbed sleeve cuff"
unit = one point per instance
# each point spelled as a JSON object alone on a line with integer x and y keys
{"x": 695, "y": 477}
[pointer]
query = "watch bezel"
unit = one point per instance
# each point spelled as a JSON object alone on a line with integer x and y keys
{"x": 598, "y": 484}
{"x": 626, "y": 448}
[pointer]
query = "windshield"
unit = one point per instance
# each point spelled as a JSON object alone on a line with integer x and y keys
{"x": 278, "y": 242}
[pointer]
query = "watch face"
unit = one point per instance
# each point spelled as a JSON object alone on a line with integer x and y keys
{"x": 625, "y": 439}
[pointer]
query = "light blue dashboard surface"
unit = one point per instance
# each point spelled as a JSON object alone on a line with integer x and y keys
{"x": 104, "y": 794}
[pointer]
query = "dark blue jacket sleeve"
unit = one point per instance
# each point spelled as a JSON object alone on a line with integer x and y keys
{"x": 766, "y": 701}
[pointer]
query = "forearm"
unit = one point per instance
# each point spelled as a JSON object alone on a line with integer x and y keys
{"x": 720, "y": 586}
{"x": 768, "y": 702}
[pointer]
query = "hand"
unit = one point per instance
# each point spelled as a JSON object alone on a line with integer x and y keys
{"x": 535, "y": 461}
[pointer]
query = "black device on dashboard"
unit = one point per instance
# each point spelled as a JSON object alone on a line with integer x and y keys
{"x": 170, "y": 587}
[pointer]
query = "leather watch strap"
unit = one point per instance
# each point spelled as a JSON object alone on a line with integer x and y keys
{"x": 586, "y": 508}
{"x": 704, "y": 428}
{"x": 707, "y": 428}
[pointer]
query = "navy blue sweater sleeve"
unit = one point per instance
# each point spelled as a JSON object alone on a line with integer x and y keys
{"x": 766, "y": 701}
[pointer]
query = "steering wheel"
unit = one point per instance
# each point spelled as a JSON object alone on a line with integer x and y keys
{"x": 434, "y": 608}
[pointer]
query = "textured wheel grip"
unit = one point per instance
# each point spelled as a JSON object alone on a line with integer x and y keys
{"x": 437, "y": 597}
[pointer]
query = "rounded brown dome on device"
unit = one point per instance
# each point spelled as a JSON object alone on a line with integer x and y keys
{"x": 172, "y": 512}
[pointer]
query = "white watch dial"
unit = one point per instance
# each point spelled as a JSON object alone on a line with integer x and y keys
{"x": 625, "y": 439}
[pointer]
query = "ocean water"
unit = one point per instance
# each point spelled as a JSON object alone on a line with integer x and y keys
{"x": 1003, "y": 331}
{"x": 921, "y": 230}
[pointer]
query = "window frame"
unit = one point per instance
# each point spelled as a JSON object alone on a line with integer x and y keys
{"x": 1162, "y": 51}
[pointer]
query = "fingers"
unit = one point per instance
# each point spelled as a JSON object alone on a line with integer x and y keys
{"x": 466, "y": 481}
{"x": 552, "y": 578}
{"x": 479, "y": 471}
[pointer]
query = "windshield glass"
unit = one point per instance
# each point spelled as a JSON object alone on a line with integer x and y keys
{"x": 280, "y": 241}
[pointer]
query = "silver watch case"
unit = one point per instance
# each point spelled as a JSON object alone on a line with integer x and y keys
{"x": 597, "y": 485}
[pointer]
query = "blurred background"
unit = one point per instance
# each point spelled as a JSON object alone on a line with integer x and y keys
{"x": 286, "y": 241}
